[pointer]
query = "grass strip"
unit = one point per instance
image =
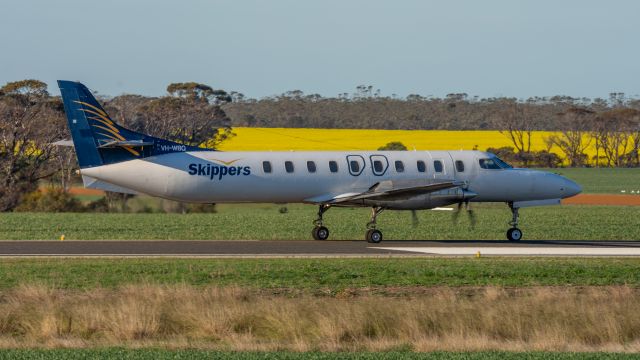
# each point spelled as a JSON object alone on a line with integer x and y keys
{"x": 157, "y": 354}
{"x": 603, "y": 318}
{"x": 265, "y": 222}
{"x": 321, "y": 275}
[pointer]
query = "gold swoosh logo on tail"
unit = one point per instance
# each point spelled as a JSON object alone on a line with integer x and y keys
{"x": 104, "y": 119}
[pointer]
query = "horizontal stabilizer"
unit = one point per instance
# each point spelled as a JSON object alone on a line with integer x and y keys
{"x": 126, "y": 143}
{"x": 67, "y": 142}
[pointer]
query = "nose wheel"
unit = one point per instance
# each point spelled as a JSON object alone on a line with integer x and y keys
{"x": 514, "y": 234}
{"x": 320, "y": 232}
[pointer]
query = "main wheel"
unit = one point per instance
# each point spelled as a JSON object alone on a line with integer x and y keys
{"x": 514, "y": 234}
{"x": 374, "y": 236}
{"x": 320, "y": 233}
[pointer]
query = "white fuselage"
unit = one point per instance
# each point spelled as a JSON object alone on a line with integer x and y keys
{"x": 219, "y": 177}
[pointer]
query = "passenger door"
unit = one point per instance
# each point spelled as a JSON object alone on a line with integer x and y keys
{"x": 355, "y": 164}
{"x": 379, "y": 164}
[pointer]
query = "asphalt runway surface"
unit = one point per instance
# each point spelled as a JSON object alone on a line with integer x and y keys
{"x": 310, "y": 248}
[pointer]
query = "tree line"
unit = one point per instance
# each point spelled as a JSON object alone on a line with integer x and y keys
{"x": 31, "y": 120}
{"x": 611, "y": 126}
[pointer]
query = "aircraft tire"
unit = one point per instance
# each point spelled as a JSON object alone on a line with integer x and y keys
{"x": 514, "y": 234}
{"x": 374, "y": 236}
{"x": 320, "y": 233}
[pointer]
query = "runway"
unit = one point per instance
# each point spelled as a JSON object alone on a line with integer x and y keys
{"x": 309, "y": 248}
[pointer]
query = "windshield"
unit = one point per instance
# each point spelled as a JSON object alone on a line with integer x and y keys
{"x": 502, "y": 164}
{"x": 494, "y": 163}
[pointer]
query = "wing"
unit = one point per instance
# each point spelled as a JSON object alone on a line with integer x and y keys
{"x": 388, "y": 190}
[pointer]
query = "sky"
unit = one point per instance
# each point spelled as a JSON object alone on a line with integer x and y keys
{"x": 262, "y": 48}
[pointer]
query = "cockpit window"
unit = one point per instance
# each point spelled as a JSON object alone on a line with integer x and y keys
{"x": 489, "y": 164}
{"x": 502, "y": 164}
{"x": 494, "y": 164}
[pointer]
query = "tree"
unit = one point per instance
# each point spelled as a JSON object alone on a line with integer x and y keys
{"x": 191, "y": 114}
{"x": 613, "y": 132}
{"x": 514, "y": 122}
{"x": 573, "y": 140}
{"x": 393, "y": 146}
{"x": 30, "y": 88}
{"x": 198, "y": 92}
{"x": 125, "y": 109}
{"x": 30, "y": 121}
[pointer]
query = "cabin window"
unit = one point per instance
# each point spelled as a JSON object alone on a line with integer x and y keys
{"x": 333, "y": 166}
{"x": 266, "y": 167}
{"x": 459, "y": 166}
{"x": 288, "y": 165}
{"x": 378, "y": 167}
{"x": 421, "y": 166}
{"x": 437, "y": 166}
{"x": 399, "y": 166}
{"x": 355, "y": 167}
{"x": 311, "y": 166}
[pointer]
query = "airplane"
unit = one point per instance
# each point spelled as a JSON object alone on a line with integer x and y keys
{"x": 114, "y": 158}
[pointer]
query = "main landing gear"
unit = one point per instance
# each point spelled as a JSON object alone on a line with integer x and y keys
{"x": 373, "y": 235}
{"x": 514, "y": 234}
{"x": 319, "y": 231}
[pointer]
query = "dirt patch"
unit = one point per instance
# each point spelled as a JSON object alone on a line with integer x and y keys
{"x": 603, "y": 199}
{"x": 77, "y": 190}
{"x": 85, "y": 191}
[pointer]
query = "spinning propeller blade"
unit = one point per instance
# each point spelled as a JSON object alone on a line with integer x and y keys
{"x": 470, "y": 213}
{"x": 414, "y": 218}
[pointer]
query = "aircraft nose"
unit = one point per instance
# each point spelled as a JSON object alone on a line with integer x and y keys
{"x": 569, "y": 188}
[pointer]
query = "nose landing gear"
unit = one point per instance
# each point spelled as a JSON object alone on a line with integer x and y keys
{"x": 320, "y": 232}
{"x": 514, "y": 234}
{"x": 374, "y": 235}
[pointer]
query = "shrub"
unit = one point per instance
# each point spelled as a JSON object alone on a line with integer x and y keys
{"x": 50, "y": 200}
{"x": 201, "y": 208}
{"x": 393, "y": 146}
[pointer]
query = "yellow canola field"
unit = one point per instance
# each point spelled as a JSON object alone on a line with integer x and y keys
{"x": 283, "y": 139}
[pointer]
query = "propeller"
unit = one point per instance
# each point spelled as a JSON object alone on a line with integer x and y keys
{"x": 470, "y": 213}
{"x": 414, "y": 218}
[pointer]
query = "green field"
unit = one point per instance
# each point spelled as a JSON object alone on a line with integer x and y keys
{"x": 325, "y": 276}
{"x": 153, "y": 354}
{"x": 603, "y": 180}
{"x": 265, "y": 222}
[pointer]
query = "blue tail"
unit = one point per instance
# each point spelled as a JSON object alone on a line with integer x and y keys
{"x": 98, "y": 139}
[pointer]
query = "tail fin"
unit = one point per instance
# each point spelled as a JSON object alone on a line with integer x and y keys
{"x": 98, "y": 139}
